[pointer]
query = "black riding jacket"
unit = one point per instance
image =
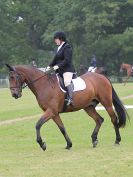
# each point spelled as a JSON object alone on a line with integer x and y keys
{"x": 63, "y": 58}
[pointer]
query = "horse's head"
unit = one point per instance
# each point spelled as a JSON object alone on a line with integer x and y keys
{"x": 16, "y": 81}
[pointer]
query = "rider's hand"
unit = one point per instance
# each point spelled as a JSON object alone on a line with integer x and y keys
{"x": 56, "y": 67}
{"x": 47, "y": 68}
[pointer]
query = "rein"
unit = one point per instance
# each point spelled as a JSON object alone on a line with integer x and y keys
{"x": 19, "y": 79}
{"x": 30, "y": 83}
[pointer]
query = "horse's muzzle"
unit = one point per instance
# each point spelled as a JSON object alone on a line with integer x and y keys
{"x": 16, "y": 96}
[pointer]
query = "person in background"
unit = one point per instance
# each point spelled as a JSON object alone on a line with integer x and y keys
{"x": 63, "y": 64}
{"x": 33, "y": 63}
{"x": 93, "y": 64}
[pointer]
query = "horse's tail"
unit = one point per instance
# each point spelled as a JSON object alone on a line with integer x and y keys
{"x": 120, "y": 109}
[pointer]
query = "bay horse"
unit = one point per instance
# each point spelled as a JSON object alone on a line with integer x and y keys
{"x": 128, "y": 68}
{"x": 100, "y": 70}
{"x": 50, "y": 98}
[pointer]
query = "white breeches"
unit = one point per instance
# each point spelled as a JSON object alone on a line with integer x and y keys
{"x": 67, "y": 78}
{"x": 92, "y": 69}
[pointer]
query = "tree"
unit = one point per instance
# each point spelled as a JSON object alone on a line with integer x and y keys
{"x": 92, "y": 26}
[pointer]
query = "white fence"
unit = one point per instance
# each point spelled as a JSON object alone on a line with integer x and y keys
{"x": 4, "y": 83}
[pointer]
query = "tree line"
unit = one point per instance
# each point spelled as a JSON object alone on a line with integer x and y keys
{"x": 103, "y": 28}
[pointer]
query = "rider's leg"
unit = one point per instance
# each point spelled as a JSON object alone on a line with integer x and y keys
{"x": 70, "y": 94}
{"x": 94, "y": 69}
{"x": 67, "y": 81}
{"x": 90, "y": 68}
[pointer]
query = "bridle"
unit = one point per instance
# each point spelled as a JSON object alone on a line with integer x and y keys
{"x": 19, "y": 81}
{"x": 48, "y": 73}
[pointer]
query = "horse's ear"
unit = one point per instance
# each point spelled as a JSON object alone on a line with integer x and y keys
{"x": 10, "y": 67}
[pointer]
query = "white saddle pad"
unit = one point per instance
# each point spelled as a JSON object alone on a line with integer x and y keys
{"x": 42, "y": 69}
{"x": 79, "y": 84}
{"x": 92, "y": 69}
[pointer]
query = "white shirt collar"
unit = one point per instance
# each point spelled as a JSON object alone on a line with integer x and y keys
{"x": 60, "y": 46}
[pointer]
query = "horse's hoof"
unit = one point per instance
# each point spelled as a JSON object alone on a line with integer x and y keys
{"x": 116, "y": 144}
{"x": 43, "y": 146}
{"x": 68, "y": 146}
{"x": 95, "y": 143}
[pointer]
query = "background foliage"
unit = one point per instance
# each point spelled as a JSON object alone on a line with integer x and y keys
{"x": 103, "y": 28}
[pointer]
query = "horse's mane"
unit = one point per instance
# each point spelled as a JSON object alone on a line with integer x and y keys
{"x": 28, "y": 67}
{"x": 50, "y": 75}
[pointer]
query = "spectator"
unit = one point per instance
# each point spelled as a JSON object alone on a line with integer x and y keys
{"x": 33, "y": 63}
{"x": 93, "y": 64}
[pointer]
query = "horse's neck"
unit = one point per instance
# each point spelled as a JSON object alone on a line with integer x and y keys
{"x": 33, "y": 78}
{"x": 127, "y": 66}
{"x": 28, "y": 73}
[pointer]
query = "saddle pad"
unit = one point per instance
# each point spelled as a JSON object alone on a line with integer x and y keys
{"x": 93, "y": 70}
{"x": 79, "y": 84}
{"x": 42, "y": 69}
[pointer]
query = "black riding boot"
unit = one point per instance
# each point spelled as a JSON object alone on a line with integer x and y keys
{"x": 70, "y": 94}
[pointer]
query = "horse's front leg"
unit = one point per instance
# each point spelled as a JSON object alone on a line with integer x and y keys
{"x": 59, "y": 123}
{"x": 39, "y": 124}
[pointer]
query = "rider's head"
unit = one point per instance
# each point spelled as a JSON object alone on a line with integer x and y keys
{"x": 59, "y": 37}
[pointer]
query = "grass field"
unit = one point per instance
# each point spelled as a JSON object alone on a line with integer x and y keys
{"x": 20, "y": 155}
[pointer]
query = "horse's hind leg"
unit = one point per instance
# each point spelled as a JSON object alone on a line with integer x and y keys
{"x": 114, "y": 120}
{"x": 98, "y": 119}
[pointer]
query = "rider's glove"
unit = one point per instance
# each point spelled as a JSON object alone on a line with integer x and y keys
{"x": 47, "y": 68}
{"x": 56, "y": 67}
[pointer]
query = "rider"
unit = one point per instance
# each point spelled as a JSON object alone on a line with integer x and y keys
{"x": 93, "y": 64}
{"x": 33, "y": 63}
{"x": 62, "y": 63}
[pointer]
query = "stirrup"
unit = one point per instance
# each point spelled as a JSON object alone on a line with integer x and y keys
{"x": 70, "y": 102}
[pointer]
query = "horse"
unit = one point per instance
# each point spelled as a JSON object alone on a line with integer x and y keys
{"x": 100, "y": 70}
{"x": 128, "y": 69}
{"x": 50, "y": 98}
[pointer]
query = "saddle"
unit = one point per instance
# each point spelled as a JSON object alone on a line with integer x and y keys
{"x": 77, "y": 82}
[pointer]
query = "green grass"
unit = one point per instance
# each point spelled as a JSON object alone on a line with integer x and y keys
{"x": 124, "y": 90}
{"x": 27, "y": 104}
{"x": 11, "y": 108}
{"x": 20, "y": 155}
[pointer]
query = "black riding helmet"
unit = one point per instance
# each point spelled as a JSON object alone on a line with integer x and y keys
{"x": 60, "y": 35}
